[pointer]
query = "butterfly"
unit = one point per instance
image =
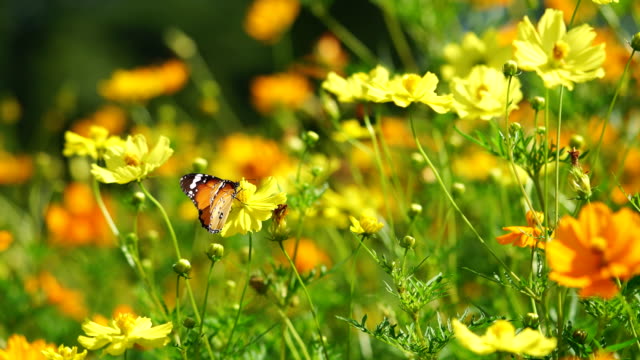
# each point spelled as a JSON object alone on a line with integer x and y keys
{"x": 212, "y": 197}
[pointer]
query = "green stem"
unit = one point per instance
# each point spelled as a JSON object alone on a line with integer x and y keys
{"x": 605, "y": 121}
{"x": 573, "y": 16}
{"x": 343, "y": 34}
{"x": 204, "y": 305}
{"x": 546, "y": 158}
{"x": 557, "y": 186}
{"x": 155, "y": 202}
{"x": 294, "y": 333}
{"x": 399, "y": 40}
{"x": 306, "y": 292}
{"x": 244, "y": 290}
{"x": 383, "y": 181}
{"x": 444, "y": 189}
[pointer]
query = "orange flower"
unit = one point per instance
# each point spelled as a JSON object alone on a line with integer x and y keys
{"x": 78, "y": 221}
{"x": 327, "y": 55}
{"x": 525, "y": 236}
{"x": 18, "y": 348}
{"x": 144, "y": 83}
{"x": 67, "y": 301}
{"x": 6, "y": 238}
{"x": 286, "y": 90}
{"x": 251, "y": 157}
{"x": 267, "y": 19}
{"x": 308, "y": 256}
{"x": 15, "y": 169}
{"x": 617, "y": 54}
{"x": 592, "y": 250}
{"x": 110, "y": 117}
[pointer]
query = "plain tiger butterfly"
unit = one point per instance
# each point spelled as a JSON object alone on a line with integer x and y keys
{"x": 212, "y": 197}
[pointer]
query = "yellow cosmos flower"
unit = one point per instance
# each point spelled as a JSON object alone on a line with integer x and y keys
{"x": 501, "y": 336}
{"x": 367, "y": 225}
{"x": 19, "y": 348}
{"x": 93, "y": 146}
{"x": 412, "y": 88}
{"x": 483, "y": 94}
{"x": 473, "y": 51}
{"x": 64, "y": 353}
{"x": 558, "y": 56}
{"x": 132, "y": 161}
{"x": 123, "y": 333}
{"x": 252, "y": 206}
{"x": 372, "y": 86}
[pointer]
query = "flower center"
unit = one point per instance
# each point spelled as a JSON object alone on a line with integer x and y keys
{"x": 131, "y": 160}
{"x": 560, "y": 50}
{"x": 598, "y": 244}
{"x": 410, "y": 83}
{"x": 482, "y": 91}
{"x": 125, "y": 323}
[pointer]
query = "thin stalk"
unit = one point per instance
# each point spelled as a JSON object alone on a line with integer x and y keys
{"x": 573, "y": 15}
{"x": 294, "y": 333}
{"x": 383, "y": 181}
{"x": 306, "y": 292}
{"x": 343, "y": 34}
{"x": 546, "y": 158}
{"x": 557, "y": 186}
{"x": 462, "y": 215}
{"x": 399, "y": 40}
{"x": 204, "y": 307}
{"x": 194, "y": 306}
{"x": 605, "y": 121}
{"x": 172, "y": 233}
{"x": 244, "y": 290}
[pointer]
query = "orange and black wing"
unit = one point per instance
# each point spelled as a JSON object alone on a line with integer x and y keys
{"x": 212, "y": 196}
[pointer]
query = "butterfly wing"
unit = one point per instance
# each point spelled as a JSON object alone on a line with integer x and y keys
{"x": 212, "y": 197}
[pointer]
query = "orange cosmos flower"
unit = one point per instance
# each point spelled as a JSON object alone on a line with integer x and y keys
{"x": 239, "y": 153}
{"x": 525, "y": 236}
{"x": 15, "y": 169}
{"x": 6, "y": 238}
{"x": 591, "y": 251}
{"x": 267, "y": 19}
{"x": 286, "y": 90}
{"x": 67, "y": 301}
{"x": 308, "y": 256}
{"x": 110, "y": 117}
{"x": 586, "y": 11}
{"x": 144, "y": 83}
{"x": 327, "y": 55}
{"x": 19, "y": 348}
{"x": 78, "y": 220}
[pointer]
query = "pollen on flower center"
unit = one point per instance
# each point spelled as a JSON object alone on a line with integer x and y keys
{"x": 482, "y": 91}
{"x": 560, "y": 50}
{"x": 125, "y": 323}
{"x": 410, "y": 83}
{"x": 131, "y": 160}
{"x": 598, "y": 244}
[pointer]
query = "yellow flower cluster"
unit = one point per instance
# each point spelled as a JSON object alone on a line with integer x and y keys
{"x": 377, "y": 86}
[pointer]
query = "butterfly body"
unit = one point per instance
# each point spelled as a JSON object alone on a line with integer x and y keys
{"x": 212, "y": 197}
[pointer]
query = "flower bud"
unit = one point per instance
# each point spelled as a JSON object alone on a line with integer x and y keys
{"x": 538, "y": 103}
{"x": 215, "y": 251}
{"x": 131, "y": 239}
{"x": 152, "y": 236}
{"x": 580, "y": 336}
{"x": 576, "y": 141}
{"x": 200, "y": 165}
{"x": 531, "y": 320}
{"x": 580, "y": 183}
{"x": 182, "y": 267}
{"x": 541, "y": 130}
{"x": 180, "y": 43}
{"x": 138, "y": 199}
{"x": 189, "y": 323}
{"x": 408, "y": 242}
{"x": 230, "y": 284}
{"x": 417, "y": 160}
{"x": 510, "y": 68}
{"x": 310, "y": 138}
{"x": 458, "y": 189}
{"x": 515, "y": 127}
{"x": 316, "y": 171}
{"x": 259, "y": 284}
{"x": 635, "y": 42}
{"x": 414, "y": 210}
{"x": 330, "y": 106}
